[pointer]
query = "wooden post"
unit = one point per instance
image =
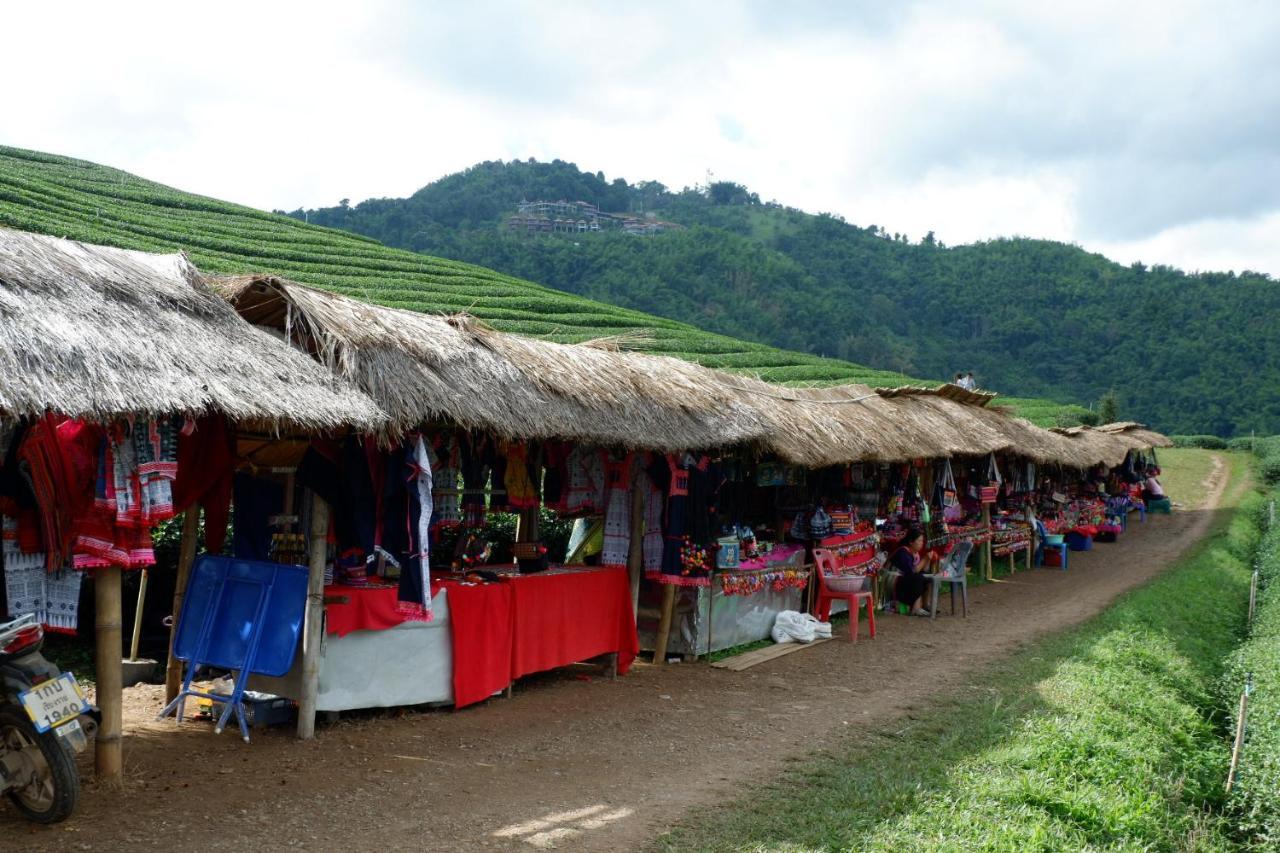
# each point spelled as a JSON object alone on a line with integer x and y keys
{"x": 186, "y": 556}
{"x": 986, "y": 547}
{"x": 664, "y": 624}
{"x": 108, "y": 758}
{"x": 137, "y": 616}
{"x": 313, "y": 626}
{"x": 635, "y": 550}
{"x": 1239, "y": 738}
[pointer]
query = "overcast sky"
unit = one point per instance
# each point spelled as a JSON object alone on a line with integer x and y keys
{"x": 1144, "y": 131}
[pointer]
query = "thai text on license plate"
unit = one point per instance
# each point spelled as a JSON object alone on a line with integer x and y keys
{"x": 54, "y": 702}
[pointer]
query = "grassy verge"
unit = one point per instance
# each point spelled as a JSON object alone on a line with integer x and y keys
{"x": 1107, "y": 736}
{"x": 1255, "y": 799}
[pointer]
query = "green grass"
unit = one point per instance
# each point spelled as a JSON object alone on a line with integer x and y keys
{"x": 1183, "y": 472}
{"x": 96, "y": 204}
{"x": 1108, "y": 736}
{"x": 1254, "y": 804}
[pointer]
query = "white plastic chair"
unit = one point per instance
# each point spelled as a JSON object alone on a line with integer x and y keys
{"x": 952, "y": 573}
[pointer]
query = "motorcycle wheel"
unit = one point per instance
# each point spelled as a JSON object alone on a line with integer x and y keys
{"x": 52, "y": 796}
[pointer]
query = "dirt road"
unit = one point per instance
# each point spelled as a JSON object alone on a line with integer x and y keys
{"x": 569, "y": 762}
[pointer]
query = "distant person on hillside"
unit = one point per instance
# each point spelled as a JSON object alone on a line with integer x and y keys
{"x": 1151, "y": 488}
{"x": 959, "y": 380}
{"x": 967, "y": 382}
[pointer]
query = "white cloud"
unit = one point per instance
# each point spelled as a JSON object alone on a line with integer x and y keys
{"x": 1134, "y": 127}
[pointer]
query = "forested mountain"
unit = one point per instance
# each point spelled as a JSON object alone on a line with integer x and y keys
{"x": 1190, "y": 353}
{"x": 71, "y": 198}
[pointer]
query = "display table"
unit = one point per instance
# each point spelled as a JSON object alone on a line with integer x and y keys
{"x": 482, "y": 637}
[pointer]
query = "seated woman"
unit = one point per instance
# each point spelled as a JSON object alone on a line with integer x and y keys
{"x": 1151, "y": 488}
{"x": 911, "y": 585}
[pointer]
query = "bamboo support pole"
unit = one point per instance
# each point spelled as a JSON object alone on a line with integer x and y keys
{"x": 137, "y": 616}
{"x": 664, "y": 624}
{"x": 313, "y": 626}
{"x": 108, "y": 757}
{"x": 186, "y": 556}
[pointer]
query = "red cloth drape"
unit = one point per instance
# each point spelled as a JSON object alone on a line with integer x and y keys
{"x": 206, "y": 469}
{"x": 480, "y": 621}
{"x": 563, "y": 617}
{"x": 368, "y": 609}
{"x": 501, "y": 631}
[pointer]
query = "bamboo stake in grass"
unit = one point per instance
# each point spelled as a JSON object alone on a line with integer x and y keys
{"x": 1240, "y": 723}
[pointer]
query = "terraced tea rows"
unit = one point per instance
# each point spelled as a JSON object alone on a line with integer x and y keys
{"x": 96, "y": 204}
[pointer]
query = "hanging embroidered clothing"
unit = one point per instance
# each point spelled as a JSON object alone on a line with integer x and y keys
{"x": 24, "y": 574}
{"x": 60, "y": 456}
{"x": 555, "y": 478}
{"x": 475, "y": 454}
{"x": 414, "y": 595}
{"x": 654, "y": 508}
{"x": 52, "y": 598}
{"x": 446, "y": 499}
{"x": 521, "y": 491}
{"x": 155, "y": 447}
{"x": 586, "y": 480}
{"x": 394, "y": 534}
{"x": 617, "y": 518}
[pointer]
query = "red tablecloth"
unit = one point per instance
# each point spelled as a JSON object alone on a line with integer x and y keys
{"x": 568, "y": 615}
{"x": 366, "y": 609}
{"x": 524, "y": 624}
{"x": 480, "y": 621}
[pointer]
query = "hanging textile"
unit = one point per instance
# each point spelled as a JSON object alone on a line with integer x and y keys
{"x": 206, "y": 465}
{"x": 52, "y": 598}
{"x": 414, "y": 595}
{"x": 654, "y": 505}
{"x": 475, "y": 452}
{"x": 617, "y": 519}
{"x": 446, "y": 499}
{"x": 522, "y": 490}
{"x": 586, "y": 480}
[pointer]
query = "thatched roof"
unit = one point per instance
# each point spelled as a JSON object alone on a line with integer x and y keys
{"x": 102, "y": 333}
{"x": 947, "y": 391}
{"x": 423, "y": 368}
{"x": 1108, "y": 444}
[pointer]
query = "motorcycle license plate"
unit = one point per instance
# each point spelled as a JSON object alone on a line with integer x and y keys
{"x": 55, "y": 702}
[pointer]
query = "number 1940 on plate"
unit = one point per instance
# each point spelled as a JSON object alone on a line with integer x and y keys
{"x": 54, "y": 702}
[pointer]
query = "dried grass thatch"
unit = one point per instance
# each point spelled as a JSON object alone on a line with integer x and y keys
{"x": 422, "y": 368}
{"x": 1108, "y": 444}
{"x": 101, "y": 333}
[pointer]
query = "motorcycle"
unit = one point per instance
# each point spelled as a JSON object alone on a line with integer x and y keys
{"x": 45, "y": 720}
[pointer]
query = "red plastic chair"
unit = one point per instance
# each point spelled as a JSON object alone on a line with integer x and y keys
{"x": 825, "y": 562}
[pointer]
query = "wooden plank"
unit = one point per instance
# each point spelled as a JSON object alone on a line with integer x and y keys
{"x": 746, "y": 660}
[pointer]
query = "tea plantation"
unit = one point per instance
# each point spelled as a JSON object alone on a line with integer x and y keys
{"x": 96, "y": 204}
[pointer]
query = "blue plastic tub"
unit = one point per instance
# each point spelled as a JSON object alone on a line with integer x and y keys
{"x": 1079, "y": 542}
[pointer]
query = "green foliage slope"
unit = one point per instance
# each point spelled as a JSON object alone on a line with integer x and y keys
{"x": 1255, "y": 798}
{"x": 84, "y": 201}
{"x": 1190, "y": 353}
